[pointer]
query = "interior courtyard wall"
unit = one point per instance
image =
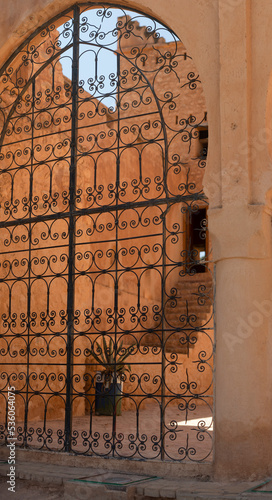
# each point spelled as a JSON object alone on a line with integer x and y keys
{"x": 20, "y": 131}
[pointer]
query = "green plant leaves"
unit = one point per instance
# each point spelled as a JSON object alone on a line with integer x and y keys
{"x": 111, "y": 356}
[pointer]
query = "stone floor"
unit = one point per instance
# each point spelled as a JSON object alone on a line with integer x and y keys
{"x": 36, "y": 481}
{"x": 135, "y": 436}
{"x": 40, "y": 479}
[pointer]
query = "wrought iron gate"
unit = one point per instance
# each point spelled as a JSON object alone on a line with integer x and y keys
{"x": 106, "y": 286}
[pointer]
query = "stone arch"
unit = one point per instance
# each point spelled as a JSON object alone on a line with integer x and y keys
{"x": 188, "y": 27}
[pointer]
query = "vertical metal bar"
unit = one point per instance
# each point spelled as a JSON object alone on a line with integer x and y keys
{"x": 116, "y": 253}
{"x": 33, "y": 87}
{"x": 71, "y": 249}
{"x": 163, "y": 292}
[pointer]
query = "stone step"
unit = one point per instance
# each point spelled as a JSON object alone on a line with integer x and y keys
{"x": 187, "y": 302}
{"x": 46, "y": 479}
{"x": 176, "y": 323}
{"x": 181, "y": 320}
{"x": 191, "y": 291}
{"x": 208, "y": 282}
{"x": 176, "y": 317}
{"x": 190, "y": 310}
{"x": 199, "y": 314}
{"x": 185, "y": 285}
{"x": 194, "y": 287}
{"x": 199, "y": 277}
{"x": 184, "y": 288}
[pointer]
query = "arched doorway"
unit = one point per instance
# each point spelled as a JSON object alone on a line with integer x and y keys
{"x": 106, "y": 281}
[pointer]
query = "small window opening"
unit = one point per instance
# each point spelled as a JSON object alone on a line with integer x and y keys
{"x": 203, "y": 136}
{"x": 197, "y": 240}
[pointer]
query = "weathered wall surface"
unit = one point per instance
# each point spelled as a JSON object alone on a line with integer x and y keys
{"x": 50, "y": 190}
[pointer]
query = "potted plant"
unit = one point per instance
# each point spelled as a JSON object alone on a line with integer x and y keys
{"x": 108, "y": 388}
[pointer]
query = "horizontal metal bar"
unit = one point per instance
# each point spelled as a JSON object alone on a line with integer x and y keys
{"x": 84, "y": 127}
{"x": 106, "y": 208}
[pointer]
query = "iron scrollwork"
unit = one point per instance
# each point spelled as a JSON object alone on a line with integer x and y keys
{"x": 100, "y": 166}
